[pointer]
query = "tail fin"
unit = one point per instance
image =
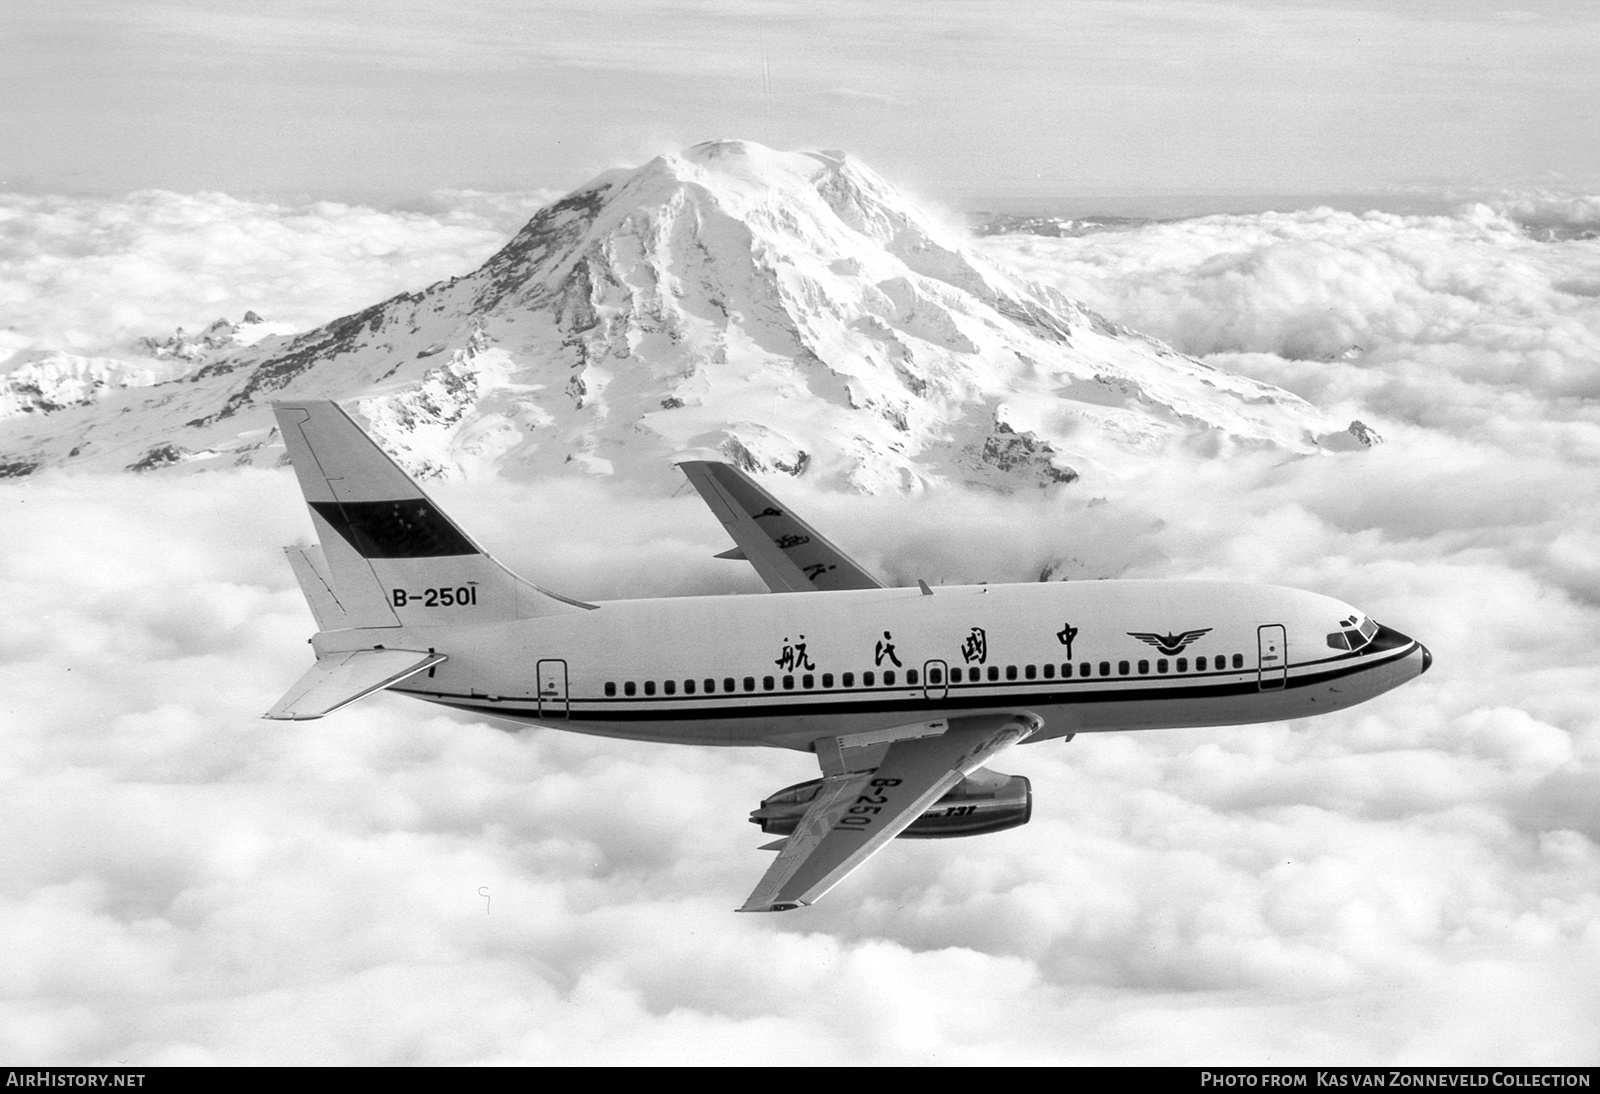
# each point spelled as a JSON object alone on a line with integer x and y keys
{"x": 390, "y": 557}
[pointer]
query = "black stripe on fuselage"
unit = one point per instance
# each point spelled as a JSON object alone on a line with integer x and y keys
{"x": 891, "y": 700}
{"x": 409, "y": 528}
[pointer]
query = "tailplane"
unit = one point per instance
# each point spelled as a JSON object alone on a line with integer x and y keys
{"x": 389, "y": 557}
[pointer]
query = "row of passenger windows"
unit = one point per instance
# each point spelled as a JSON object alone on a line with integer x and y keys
{"x": 936, "y": 676}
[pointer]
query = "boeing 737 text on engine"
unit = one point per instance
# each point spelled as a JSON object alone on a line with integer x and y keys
{"x": 903, "y": 694}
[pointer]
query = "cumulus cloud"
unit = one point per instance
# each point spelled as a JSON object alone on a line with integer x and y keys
{"x": 1410, "y": 881}
{"x": 89, "y": 275}
{"x": 1438, "y": 319}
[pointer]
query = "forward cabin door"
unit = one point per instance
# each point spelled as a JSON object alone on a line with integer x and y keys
{"x": 552, "y": 688}
{"x": 935, "y": 680}
{"x": 1273, "y": 643}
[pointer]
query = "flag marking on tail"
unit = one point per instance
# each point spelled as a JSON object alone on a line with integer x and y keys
{"x": 412, "y": 528}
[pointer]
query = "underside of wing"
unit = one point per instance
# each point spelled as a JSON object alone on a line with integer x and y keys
{"x": 341, "y": 678}
{"x": 856, "y": 813}
{"x": 788, "y": 553}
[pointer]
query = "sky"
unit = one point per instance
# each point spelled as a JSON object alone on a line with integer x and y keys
{"x": 995, "y": 104}
{"x": 1415, "y": 880}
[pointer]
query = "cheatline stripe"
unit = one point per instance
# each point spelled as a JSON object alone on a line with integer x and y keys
{"x": 750, "y": 704}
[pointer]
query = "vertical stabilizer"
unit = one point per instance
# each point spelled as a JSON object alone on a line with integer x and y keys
{"x": 390, "y": 557}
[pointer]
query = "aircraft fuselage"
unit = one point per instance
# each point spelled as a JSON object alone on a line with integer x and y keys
{"x": 784, "y": 669}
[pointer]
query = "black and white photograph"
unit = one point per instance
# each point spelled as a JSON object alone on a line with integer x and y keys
{"x": 937, "y": 532}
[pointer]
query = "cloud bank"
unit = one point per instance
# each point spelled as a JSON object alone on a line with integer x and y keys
{"x": 90, "y": 275}
{"x": 1411, "y": 881}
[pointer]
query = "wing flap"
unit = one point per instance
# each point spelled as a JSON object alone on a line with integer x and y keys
{"x": 789, "y": 554}
{"x": 341, "y": 678}
{"x": 855, "y": 814}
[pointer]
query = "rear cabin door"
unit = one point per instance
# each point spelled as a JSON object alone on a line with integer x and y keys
{"x": 1273, "y": 643}
{"x": 552, "y": 688}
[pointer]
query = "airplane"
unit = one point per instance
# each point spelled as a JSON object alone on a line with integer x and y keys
{"x": 903, "y": 694}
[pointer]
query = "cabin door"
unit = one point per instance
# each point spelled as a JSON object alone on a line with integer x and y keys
{"x": 552, "y": 688}
{"x": 1273, "y": 644}
{"x": 935, "y": 680}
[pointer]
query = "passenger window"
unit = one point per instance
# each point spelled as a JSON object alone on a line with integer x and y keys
{"x": 867, "y": 679}
{"x": 649, "y": 687}
{"x": 1049, "y": 672}
{"x": 749, "y": 683}
{"x": 1199, "y": 664}
{"x": 1183, "y": 664}
{"x": 849, "y": 679}
{"x": 935, "y": 676}
{"x": 688, "y": 687}
{"x": 1238, "y": 660}
{"x": 611, "y": 687}
{"x": 1122, "y": 668}
{"x": 1105, "y": 668}
{"x": 670, "y": 687}
{"x": 955, "y": 676}
{"x": 767, "y": 683}
{"x": 1011, "y": 672}
{"x": 1066, "y": 670}
{"x": 1144, "y": 668}
{"x": 1083, "y": 668}
{"x": 808, "y": 681}
{"x": 788, "y": 683}
{"x": 827, "y": 680}
{"x": 1161, "y": 665}
{"x": 1029, "y": 671}
{"x": 994, "y": 672}
{"x": 711, "y": 685}
{"x": 888, "y": 677}
{"x": 727, "y": 683}
{"x": 911, "y": 676}
{"x": 628, "y": 688}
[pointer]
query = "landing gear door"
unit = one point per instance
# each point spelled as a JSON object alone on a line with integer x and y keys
{"x": 1273, "y": 643}
{"x": 552, "y": 688}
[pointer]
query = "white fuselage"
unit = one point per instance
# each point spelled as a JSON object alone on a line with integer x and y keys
{"x": 785, "y": 669}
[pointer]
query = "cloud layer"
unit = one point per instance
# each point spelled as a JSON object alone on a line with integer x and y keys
{"x": 1413, "y": 880}
{"x": 90, "y": 275}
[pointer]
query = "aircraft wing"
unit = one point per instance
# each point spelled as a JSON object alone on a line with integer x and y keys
{"x": 789, "y": 554}
{"x": 341, "y": 678}
{"x": 856, "y": 813}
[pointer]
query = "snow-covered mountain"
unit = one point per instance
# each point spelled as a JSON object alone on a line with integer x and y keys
{"x": 790, "y": 311}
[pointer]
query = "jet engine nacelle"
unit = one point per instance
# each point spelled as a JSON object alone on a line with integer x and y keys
{"x": 984, "y": 801}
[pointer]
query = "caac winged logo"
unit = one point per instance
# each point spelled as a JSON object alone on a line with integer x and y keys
{"x": 1170, "y": 644}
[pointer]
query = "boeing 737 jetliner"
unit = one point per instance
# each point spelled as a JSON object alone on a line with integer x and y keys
{"x": 903, "y": 694}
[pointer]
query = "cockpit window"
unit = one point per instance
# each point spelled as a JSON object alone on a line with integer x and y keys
{"x": 1354, "y": 634}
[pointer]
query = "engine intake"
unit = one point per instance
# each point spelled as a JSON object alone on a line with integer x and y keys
{"x": 984, "y": 801}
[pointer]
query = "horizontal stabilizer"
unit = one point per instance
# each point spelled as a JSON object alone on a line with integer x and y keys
{"x": 341, "y": 678}
{"x": 311, "y": 570}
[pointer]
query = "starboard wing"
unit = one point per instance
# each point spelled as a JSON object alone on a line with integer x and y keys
{"x": 789, "y": 554}
{"x": 856, "y": 813}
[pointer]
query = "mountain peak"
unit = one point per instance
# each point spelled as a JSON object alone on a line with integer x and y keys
{"x": 791, "y": 310}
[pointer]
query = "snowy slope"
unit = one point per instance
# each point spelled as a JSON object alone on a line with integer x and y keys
{"x": 790, "y": 311}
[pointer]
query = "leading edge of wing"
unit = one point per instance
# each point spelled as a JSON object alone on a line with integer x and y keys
{"x": 856, "y": 813}
{"x": 789, "y": 554}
